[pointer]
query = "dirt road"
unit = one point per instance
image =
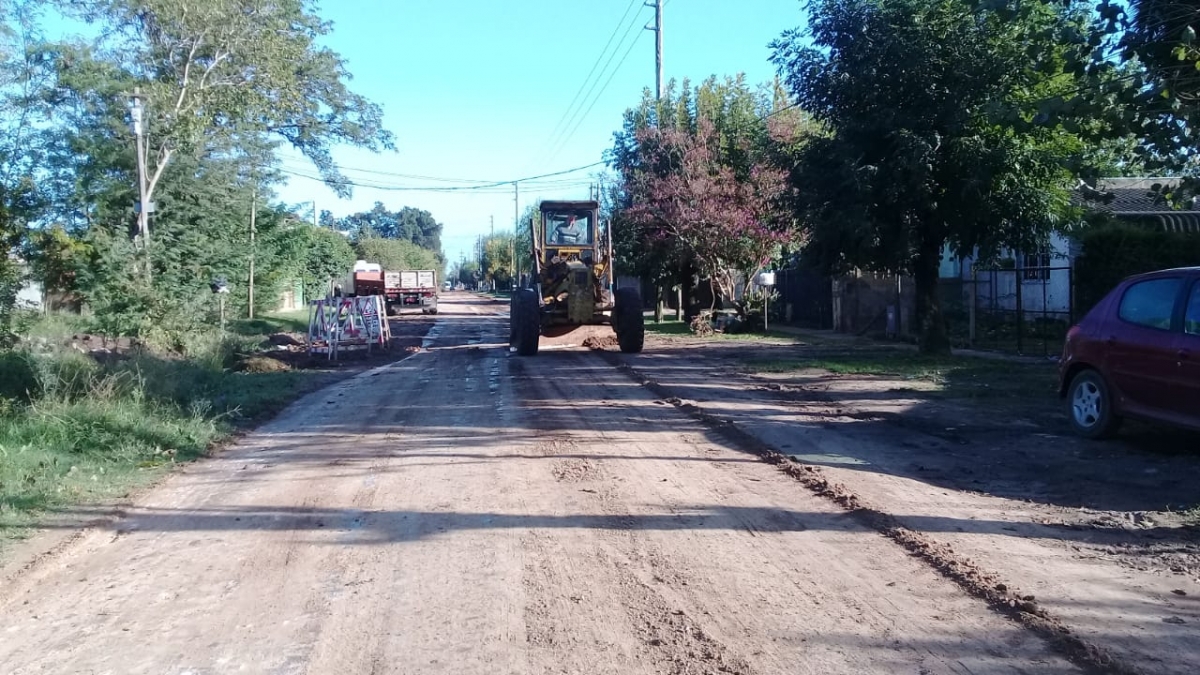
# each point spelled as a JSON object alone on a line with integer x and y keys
{"x": 464, "y": 511}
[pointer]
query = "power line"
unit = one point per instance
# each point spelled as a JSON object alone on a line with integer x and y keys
{"x": 571, "y": 107}
{"x": 457, "y": 188}
{"x": 561, "y": 141}
{"x": 595, "y": 100}
{"x": 393, "y": 174}
{"x": 306, "y": 172}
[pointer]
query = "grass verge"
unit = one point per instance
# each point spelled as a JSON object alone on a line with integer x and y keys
{"x": 962, "y": 377}
{"x": 76, "y": 431}
{"x": 671, "y": 328}
{"x": 280, "y": 322}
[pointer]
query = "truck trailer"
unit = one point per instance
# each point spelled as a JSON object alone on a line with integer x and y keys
{"x": 406, "y": 289}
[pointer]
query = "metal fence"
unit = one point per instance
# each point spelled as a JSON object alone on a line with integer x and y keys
{"x": 805, "y": 299}
{"x": 1022, "y": 311}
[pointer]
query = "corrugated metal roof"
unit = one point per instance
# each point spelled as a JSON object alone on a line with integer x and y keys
{"x": 1136, "y": 199}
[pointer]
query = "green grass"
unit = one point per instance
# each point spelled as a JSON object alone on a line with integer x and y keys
{"x": 267, "y": 324}
{"x": 954, "y": 376}
{"x": 73, "y": 431}
{"x": 672, "y": 328}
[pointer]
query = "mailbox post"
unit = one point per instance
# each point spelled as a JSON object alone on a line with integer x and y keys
{"x": 220, "y": 288}
{"x": 766, "y": 280}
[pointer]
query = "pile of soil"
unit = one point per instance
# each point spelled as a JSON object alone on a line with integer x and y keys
{"x": 261, "y": 364}
{"x": 601, "y": 342}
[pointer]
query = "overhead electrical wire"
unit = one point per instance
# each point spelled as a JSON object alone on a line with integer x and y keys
{"x": 301, "y": 159}
{"x": 596, "y": 99}
{"x": 558, "y": 143}
{"x": 490, "y": 187}
{"x": 559, "y": 126}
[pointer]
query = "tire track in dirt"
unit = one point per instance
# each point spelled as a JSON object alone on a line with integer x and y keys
{"x": 668, "y": 637}
{"x": 999, "y": 594}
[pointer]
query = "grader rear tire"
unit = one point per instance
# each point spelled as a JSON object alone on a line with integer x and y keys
{"x": 628, "y": 320}
{"x": 525, "y": 322}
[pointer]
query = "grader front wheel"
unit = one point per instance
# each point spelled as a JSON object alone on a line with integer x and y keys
{"x": 525, "y": 322}
{"x": 628, "y": 320}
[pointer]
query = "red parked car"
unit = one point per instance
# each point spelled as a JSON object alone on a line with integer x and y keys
{"x": 1137, "y": 355}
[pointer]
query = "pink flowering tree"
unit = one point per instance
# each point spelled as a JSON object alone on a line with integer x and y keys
{"x": 731, "y": 221}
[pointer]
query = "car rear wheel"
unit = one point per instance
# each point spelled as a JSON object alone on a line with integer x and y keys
{"x": 1089, "y": 406}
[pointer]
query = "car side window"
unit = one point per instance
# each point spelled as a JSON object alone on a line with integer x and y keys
{"x": 1151, "y": 303}
{"x": 1191, "y": 317}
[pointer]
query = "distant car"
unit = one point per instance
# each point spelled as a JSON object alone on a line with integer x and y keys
{"x": 1136, "y": 355}
{"x": 446, "y": 286}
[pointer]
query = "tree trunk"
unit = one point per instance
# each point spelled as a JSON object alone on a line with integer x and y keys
{"x": 933, "y": 337}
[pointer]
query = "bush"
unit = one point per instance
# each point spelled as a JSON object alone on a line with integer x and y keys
{"x": 18, "y": 376}
{"x": 1113, "y": 252}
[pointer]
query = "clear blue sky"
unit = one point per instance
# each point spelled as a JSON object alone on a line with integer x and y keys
{"x": 473, "y": 89}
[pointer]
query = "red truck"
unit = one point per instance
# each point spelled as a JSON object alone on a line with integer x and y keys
{"x": 408, "y": 289}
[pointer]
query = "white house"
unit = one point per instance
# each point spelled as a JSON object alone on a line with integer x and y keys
{"x": 1043, "y": 279}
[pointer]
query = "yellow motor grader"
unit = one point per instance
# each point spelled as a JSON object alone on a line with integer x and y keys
{"x": 571, "y": 286}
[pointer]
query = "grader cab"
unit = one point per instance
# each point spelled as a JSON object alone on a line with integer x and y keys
{"x": 571, "y": 287}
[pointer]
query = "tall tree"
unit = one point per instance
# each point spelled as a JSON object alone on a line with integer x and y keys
{"x": 926, "y": 106}
{"x": 717, "y": 135}
{"x": 410, "y": 224}
{"x": 498, "y": 259}
{"x": 23, "y": 75}
{"x": 236, "y": 69}
{"x": 730, "y": 226}
{"x": 397, "y": 254}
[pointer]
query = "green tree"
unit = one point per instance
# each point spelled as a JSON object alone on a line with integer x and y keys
{"x": 410, "y": 224}
{"x": 669, "y": 155}
{"x": 234, "y": 69}
{"x": 466, "y": 272}
{"x": 926, "y": 108}
{"x": 397, "y": 254}
{"x": 23, "y": 75}
{"x": 498, "y": 259}
{"x": 56, "y": 258}
{"x": 524, "y": 241}
{"x": 327, "y": 255}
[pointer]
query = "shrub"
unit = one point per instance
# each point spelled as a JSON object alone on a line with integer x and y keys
{"x": 18, "y": 376}
{"x": 1113, "y": 252}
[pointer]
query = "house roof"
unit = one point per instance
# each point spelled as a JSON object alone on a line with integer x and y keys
{"x": 1137, "y": 199}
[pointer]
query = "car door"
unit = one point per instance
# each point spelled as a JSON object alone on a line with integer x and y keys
{"x": 1142, "y": 354}
{"x": 1187, "y": 385}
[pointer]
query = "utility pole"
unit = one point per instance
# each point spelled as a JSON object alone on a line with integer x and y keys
{"x": 658, "y": 46}
{"x": 516, "y": 227}
{"x": 316, "y": 218}
{"x": 658, "y": 97}
{"x": 253, "y": 211}
{"x": 137, "y": 113}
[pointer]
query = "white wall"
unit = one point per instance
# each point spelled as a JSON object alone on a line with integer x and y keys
{"x": 998, "y": 290}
